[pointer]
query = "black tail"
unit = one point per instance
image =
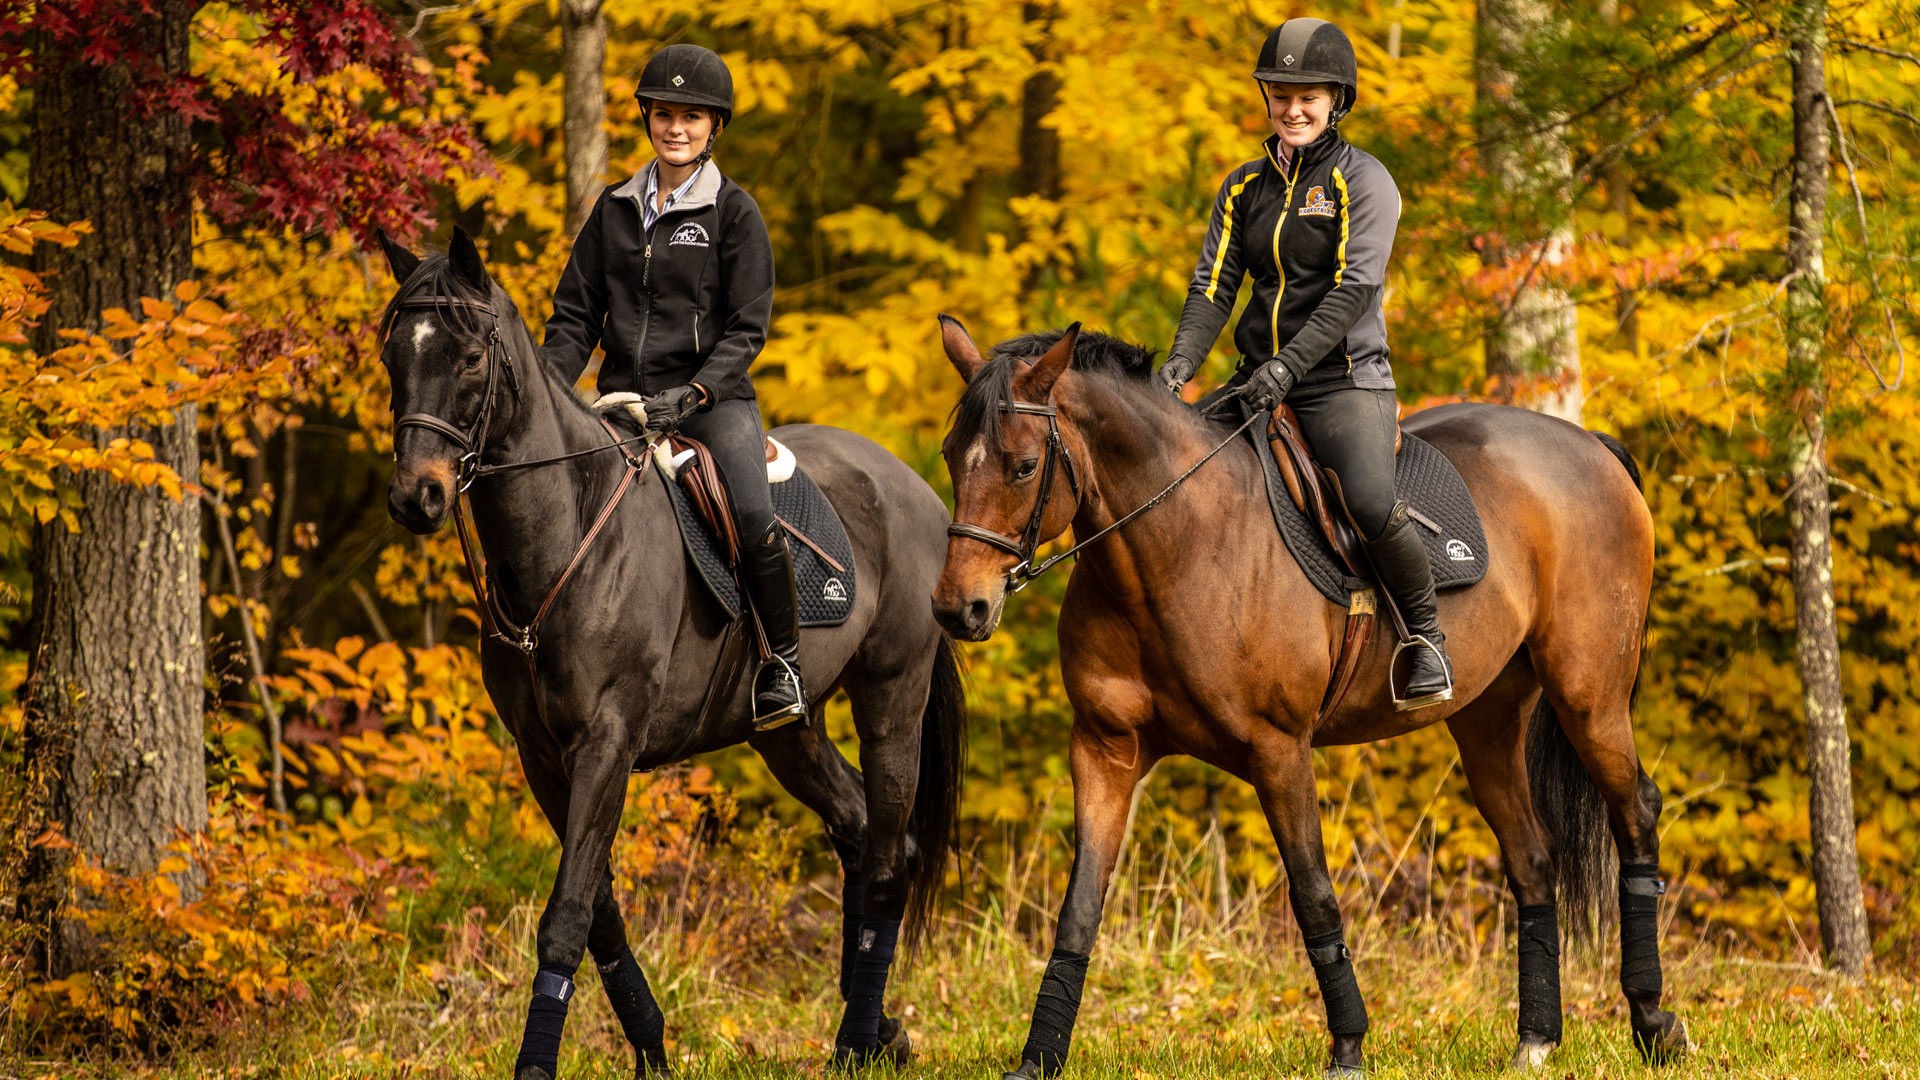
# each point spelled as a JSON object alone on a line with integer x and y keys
{"x": 1568, "y": 802}
{"x": 935, "y": 821}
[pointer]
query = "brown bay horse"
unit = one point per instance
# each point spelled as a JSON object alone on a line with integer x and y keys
{"x": 1192, "y": 630}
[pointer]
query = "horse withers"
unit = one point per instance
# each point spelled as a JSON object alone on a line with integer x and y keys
{"x": 611, "y": 669}
{"x": 1192, "y": 630}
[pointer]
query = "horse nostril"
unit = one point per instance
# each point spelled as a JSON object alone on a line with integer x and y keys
{"x": 977, "y": 614}
{"x": 433, "y": 498}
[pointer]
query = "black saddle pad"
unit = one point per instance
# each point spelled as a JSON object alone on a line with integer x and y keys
{"x": 826, "y": 594}
{"x": 1444, "y": 517}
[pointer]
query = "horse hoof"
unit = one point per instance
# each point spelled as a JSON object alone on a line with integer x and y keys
{"x": 652, "y": 1066}
{"x": 1028, "y": 1070}
{"x": 1529, "y": 1056}
{"x": 1337, "y": 1071}
{"x": 895, "y": 1043}
{"x": 531, "y": 1072}
{"x": 1666, "y": 1042}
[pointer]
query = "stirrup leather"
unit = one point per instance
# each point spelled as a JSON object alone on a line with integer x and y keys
{"x": 786, "y": 714}
{"x": 1402, "y": 704}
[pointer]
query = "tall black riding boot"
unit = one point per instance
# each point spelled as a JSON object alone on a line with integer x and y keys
{"x": 777, "y": 695}
{"x": 1401, "y": 561}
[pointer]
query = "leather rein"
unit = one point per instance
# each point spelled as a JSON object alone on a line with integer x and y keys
{"x": 1029, "y": 541}
{"x": 471, "y": 441}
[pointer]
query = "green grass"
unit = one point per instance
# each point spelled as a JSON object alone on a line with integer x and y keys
{"x": 1169, "y": 998}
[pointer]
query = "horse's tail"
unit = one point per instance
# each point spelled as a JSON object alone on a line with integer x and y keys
{"x": 1566, "y": 799}
{"x": 935, "y": 821}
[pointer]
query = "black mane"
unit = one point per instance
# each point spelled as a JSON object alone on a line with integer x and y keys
{"x": 978, "y": 413}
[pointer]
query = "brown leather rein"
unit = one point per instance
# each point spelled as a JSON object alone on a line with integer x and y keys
{"x": 1028, "y": 543}
{"x": 471, "y": 442}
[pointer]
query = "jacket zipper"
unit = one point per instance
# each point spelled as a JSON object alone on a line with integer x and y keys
{"x": 1273, "y": 329}
{"x": 696, "y": 331}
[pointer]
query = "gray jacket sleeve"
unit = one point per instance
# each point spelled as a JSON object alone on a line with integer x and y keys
{"x": 1217, "y": 274}
{"x": 1369, "y": 214}
{"x": 746, "y": 274}
{"x": 579, "y": 303}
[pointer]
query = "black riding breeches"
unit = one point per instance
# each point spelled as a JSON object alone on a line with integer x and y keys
{"x": 731, "y": 429}
{"x": 1351, "y": 432}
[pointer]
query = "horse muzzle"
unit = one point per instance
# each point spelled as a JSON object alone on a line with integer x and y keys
{"x": 421, "y": 498}
{"x": 971, "y": 614}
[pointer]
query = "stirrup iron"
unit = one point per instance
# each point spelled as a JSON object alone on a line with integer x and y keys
{"x": 1401, "y": 704}
{"x": 785, "y": 715}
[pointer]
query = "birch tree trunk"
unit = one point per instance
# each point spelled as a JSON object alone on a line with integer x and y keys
{"x": 1836, "y": 859}
{"x": 583, "y": 62}
{"x": 117, "y": 666}
{"x": 1535, "y": 347}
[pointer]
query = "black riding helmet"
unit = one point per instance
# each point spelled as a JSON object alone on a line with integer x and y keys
{"x": 689, "y": 75}
{"x": 1310, "y": 51}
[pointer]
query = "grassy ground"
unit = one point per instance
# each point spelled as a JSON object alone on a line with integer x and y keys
{"x": 1169, "y": 997}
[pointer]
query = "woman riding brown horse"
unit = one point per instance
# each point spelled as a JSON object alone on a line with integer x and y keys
{"x": 1166, "y": 649}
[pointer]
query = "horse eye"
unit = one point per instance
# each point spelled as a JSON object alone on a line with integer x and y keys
{"x": 1026, "y": 469}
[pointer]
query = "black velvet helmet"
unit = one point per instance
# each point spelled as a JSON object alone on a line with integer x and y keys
{"x": 1310, "y": 51}
{"x": 688, "y": 75}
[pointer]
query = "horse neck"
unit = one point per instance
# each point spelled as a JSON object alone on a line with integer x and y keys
{"x": 1137, "y": 443}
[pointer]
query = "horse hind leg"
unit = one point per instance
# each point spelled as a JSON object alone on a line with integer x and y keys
{"x": 626, "y": 986}
{"x": 1586, "y": 717}
{"x": 1491, "y": 735}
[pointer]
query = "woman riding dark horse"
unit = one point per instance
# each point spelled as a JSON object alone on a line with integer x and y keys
{"x": 1312, "y": 222}
{"x": 673, "y": 275}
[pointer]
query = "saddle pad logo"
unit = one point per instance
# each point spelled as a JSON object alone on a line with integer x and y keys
{"x": 1458, "y": 551}
{"x": 691, "y": 233}
{"x": 833, "y": 591}
{"x": 1317, "y": 204}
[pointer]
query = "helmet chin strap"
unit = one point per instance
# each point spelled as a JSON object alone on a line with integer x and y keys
{"x": 712, "y": 137}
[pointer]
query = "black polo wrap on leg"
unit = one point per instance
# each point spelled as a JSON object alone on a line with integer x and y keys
{"x": 1640, "y": 890}
{"x": 546, "y": 1020}
{"x": 1055, "y": 1010}
{"x": 1539, "y": 973}
{"x": 1333, "y": 967}
{"x": 850, "y": 900}
{"x": 867, "y": 984}
{"x": 633, "y": 1005}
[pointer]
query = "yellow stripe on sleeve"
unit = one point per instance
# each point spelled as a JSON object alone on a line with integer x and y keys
{"x": 1226, "y": 234}
{"x": 1346, "y": 201}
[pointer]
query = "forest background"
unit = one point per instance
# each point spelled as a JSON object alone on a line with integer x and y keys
{"x": 1019, "y": 165}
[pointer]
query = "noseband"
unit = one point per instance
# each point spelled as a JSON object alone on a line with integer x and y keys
{"x": 1029, "y": 541}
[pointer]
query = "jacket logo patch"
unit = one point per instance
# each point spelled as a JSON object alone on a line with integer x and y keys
{"x": 690, "y": 233}
{"x": 1317, "y": 204}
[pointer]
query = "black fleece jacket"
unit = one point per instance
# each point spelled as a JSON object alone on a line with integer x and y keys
{"x": 685, "y": 302}
{"x": 1315, "y": 237}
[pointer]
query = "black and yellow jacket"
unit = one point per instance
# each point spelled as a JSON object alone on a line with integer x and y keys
{"x": 1315, "y": 238}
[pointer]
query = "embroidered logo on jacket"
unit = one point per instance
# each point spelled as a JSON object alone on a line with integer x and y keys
{"x": 1317, "y": 204}
{"x": 690, "y": 233}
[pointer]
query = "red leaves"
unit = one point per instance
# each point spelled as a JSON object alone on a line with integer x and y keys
{"x": 352, "y": 160}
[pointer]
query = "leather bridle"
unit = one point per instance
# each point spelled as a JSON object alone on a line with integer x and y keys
{"x": 471, "y": 442}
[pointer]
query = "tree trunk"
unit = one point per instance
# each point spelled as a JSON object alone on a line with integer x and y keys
{"x": 1039, "y": 144}
{"x": 583, "y": 61}
{"x": 116, "y": 696}
{"x": 1535, "y": 347}
{"x": 1836, "y": 859}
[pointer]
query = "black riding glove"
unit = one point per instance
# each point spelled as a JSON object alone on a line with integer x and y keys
{"x": 1176, "y": 371}
{"x": 1269, "y": 386}
{"x": 667, "y": 409}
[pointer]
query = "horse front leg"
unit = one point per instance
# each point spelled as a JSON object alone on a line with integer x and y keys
{"x": 1106, "y": 770}
{"x": 1283, "y": 777}
{"x": 585, "y": 808}
{"x": 641, "y": 1020}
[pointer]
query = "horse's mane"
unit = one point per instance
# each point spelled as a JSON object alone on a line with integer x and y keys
{"x": 978, "y": 413}
{"x": 435, "y": 277}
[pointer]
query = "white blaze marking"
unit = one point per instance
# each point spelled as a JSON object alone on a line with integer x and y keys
{"x": 422, "y": 330}
{"x": 976, "y": 454}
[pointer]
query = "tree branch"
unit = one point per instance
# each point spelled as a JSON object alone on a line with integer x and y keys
{"x": 1850, "y": 43}
{"x": 1888, "y": 109}
{"x": 1873, "y": 274}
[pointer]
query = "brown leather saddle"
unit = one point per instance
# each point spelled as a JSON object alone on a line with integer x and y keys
{"x": 1315, "y": 491}
{"x": 700, "y": 479}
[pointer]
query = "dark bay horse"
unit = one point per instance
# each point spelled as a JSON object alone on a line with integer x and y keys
{"x": 627, "y": 647}
{"x": 1192, "y": 630}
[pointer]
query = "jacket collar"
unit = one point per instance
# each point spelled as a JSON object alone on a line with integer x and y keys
{"x": 1328, "y": 141}
{"x": 704, "y": 192}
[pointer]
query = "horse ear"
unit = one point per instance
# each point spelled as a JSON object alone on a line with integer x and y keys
{"x": 1036, "y": 382}
{"x": 466, "y": 260}
{"x": 401, "y": 261}
{"x": 961, "y": 351}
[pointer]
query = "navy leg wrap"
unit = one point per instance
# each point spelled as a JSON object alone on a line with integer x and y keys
{"x": 639, "y": 1015}
{"x": 867, "y": 983}
{"x": 1333, "y": 967}
{"x": 546, "y": 1020}
{"x": 1539, "y": 973}
{"x": 1055, "y": 1010}
{"x": 1640, "y": 889}
{"x": 850, "y": 900}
